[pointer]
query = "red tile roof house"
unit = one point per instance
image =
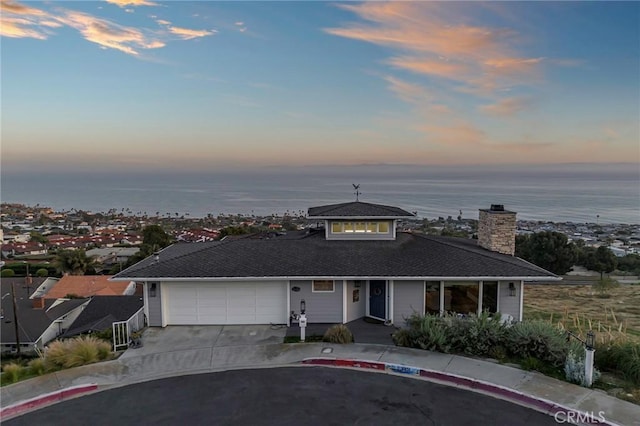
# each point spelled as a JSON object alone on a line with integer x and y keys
{"x": 84, "y": 286}
{"x": 357, "y": 265}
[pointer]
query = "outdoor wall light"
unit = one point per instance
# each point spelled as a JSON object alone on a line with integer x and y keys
{"x": 591, "y": 340}
{"x": 152, "y": 290}
{"x": 303, "y": 306}
{"x": 512, "y": 289}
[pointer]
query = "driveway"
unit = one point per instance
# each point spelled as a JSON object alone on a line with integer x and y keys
{"x": 184, "y": 337}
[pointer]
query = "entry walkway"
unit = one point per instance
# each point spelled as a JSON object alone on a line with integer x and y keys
{"x": 364, "y": 330}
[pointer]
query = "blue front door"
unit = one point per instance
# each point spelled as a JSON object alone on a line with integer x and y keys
{"x": 377, "y": 299}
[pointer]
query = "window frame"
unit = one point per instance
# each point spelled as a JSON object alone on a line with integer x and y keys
{"x": 313, "y": 286}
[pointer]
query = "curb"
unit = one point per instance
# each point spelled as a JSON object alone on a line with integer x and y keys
{"x": 46, "y": 399}
{"x": 539, "y": 404}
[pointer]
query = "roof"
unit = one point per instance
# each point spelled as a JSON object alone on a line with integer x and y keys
{"x": 32, "y": 322}
{"x": 103, "y": 311}
{"x": 357, "y": 210}
{"x": 86, "y": 286}
{"x": 311, "y": 255}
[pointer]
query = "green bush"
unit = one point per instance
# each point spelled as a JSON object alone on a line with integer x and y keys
{"x": 11, "y": 372}
{"x": 338, "y": 333}
{"x": 620, "y": 357}
{"x": 83, "y": 350}
{"x": 37, "y": 366}
{"x": 537, "y": 339}
{"x": 476, "y": 335}
{"x": 7, "y": 273}
{"x": 42, "y": 272}
{"x": 427, "y": 332}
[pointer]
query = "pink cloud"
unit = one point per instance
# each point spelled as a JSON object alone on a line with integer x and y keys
{"x": 125, "y": 3}
{"x": 507, "y": 106}
{"x": 188, "y": 34}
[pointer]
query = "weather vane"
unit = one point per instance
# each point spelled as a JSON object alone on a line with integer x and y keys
{"x": 357, "y": 188}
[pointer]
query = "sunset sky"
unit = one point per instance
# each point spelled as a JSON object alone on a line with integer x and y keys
{"x": 144, "y": 85}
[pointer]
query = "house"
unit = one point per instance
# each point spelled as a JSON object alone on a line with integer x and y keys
{"x": 38, "y": 320}
{"x": 84, "y": 286}
{"x": 354, "y": 264}
{"x": 102, "y": 311}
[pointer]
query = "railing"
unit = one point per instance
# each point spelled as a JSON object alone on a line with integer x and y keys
{"x": 122, "y": 330}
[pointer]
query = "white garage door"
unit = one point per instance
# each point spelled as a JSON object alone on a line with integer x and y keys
{"x": 225, "y": 303}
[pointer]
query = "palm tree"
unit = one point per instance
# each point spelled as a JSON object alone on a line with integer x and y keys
{"x": 73, "y": 262}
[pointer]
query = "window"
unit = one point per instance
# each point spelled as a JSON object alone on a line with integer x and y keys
{"x": 461, "y": 297}
{"x": 340, "y": 227}
{"x": 490, "y": 296}
{"x": 323, "y": 286}
{"x": 432, "y": 298}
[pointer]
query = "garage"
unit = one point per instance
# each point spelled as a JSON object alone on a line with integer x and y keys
{"x": 218, "y": 303}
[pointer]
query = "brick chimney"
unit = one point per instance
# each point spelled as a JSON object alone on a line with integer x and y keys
{"x": 497, "y": 230}
{"x": 38, "y": 302}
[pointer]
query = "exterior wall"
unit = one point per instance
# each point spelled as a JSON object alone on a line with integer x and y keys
{"x": 497, "y": 231}
{"x": 363, "y": 235}
{"x": 408, "y": 297}
{"x": 154, "y": 305}
{"x": 357, "y": 309}
{"x": 509, "y": 305}
{"x": 321, "y": 307}
{"x": 60, "y": 325}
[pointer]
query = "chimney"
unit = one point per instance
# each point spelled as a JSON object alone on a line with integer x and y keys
{"x": 38, "y": 302}
{"x": 497, "y": 229}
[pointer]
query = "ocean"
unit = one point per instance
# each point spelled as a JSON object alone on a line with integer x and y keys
{"x": 559, "y": 193}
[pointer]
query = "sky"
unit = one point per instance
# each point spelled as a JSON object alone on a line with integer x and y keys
{"x": 195, "y": 86}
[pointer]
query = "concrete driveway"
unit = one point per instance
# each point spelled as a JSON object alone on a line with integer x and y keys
{"x": 184, "y": 337}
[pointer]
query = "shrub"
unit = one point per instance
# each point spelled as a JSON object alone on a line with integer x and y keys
{"x": 575, "y": 364}
{"x": 104, "y": 350}
{"x": 7, "y": 273}
{"x": 620, "y": 357}
{"x": 56, "y": 354}
{"x": 338, "y": 333}
{"x": 604, "y": 285}
{"x": 42, "y": 272}
{"x": 11, "y": 372}
{"x": 537, "y": 339}
{"x": 83, "y": 350}
{"x": 476, "y": 335}
{"x": 428, "y": 332}
{"x": 37, "y": 366}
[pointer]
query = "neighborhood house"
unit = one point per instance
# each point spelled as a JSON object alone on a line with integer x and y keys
{"x": 353, "y": 264}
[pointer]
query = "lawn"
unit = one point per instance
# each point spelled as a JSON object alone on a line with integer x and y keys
{"x": 579, "y": 308}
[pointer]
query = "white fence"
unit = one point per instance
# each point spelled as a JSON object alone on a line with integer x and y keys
{"x": 122, "y": 330}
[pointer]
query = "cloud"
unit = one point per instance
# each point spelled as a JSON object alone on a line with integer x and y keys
{"x": 458, "y": 134}
{"x": 163, "y": 22}
{"x": 507, "y": 106}
{"x": 20, "y": 21}
{"x": 434, "y": 39}
{"x": 188, "y": 34}
{"x": 125, "y": 3}
{"x": 109, "y": 34}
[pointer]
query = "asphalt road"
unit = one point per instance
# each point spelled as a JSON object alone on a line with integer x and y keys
{"x": 285, "y": 396}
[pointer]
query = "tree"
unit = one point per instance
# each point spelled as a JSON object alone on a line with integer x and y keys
{"x": 155, "y": 237}
{"x": 42, "y": 272}
{"x": 604, "y": 261}
{"x": 549, "y": 250}
{"x": 38, "y": 237}
{"x": 74, "y": 262}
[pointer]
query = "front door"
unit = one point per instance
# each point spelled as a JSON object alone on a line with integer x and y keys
{"x": 377, "y": 299}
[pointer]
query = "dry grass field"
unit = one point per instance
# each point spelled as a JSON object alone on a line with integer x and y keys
{"x": 579, "y": 308}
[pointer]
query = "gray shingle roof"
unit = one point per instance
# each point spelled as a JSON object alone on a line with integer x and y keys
{"x": 357, "y": 209}
{"x": 310, "y": 255}
{"x": 102, "y": 311}
{"x": 32, "y": 322}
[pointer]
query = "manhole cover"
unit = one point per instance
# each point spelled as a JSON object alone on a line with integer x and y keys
{"x": 253, "y": 333}
{"x": 327, "y": 350}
